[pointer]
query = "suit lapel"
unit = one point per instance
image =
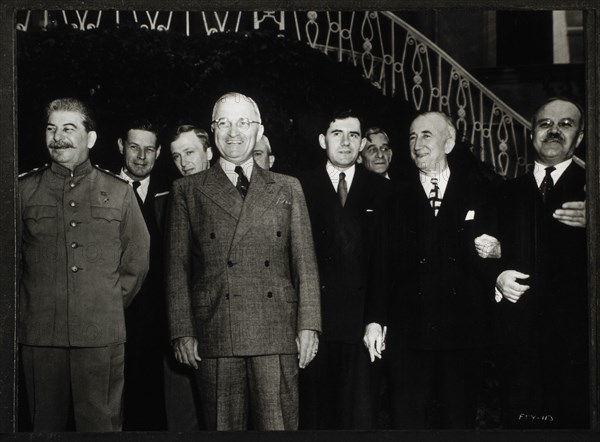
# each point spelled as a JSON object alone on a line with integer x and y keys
{"x": 218, "y": 188}
{"x": 261, "y": 194}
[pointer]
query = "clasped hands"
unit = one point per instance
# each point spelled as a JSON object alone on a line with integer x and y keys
{"x": 185, "y": 349}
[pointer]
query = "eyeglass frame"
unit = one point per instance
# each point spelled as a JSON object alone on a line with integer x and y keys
{"x": 236, "y": 124}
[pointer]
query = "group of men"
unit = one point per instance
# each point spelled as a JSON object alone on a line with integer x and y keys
{"x": 262, "y": 301}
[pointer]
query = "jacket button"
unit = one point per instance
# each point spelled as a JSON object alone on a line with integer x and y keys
{"x": 74, "y": 269}
{"x": 212, "y": 235}
{"x": 230, "y": 263}
{"x": 278, "y": 233}
{"x": 74, "y": 245}
{"x": 72, "y": 184}
{"x": 323, "y": 287}
{"x": 73, "y": 223}
{"x": 267, "y": 263}
{"x": 270, "y": 295}
{"x": 422, "y": 261}
{"x": 227, "y": 296}
{"x": 72, "y": 203}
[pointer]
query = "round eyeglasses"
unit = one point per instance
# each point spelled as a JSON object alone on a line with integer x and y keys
{"x": 242, "y": 124}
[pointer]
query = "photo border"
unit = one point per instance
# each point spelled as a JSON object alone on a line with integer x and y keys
{"x": 8, "y": 180}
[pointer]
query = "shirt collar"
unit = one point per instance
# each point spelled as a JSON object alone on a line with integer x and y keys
{"x": 229, "y": 169}
{"x": 144, "y": 182}
{"x": 334, "y": 174}
{"x": 539, "y": 171}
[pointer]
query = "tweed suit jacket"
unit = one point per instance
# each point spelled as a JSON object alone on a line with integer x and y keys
{"x": 241, "y": 274}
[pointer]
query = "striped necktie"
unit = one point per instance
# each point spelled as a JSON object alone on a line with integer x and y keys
{"x": 434, "y": 196}
{"x": 242, "y": 182}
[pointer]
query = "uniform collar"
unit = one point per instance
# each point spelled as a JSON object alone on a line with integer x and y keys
{"x": 81, "y": 169}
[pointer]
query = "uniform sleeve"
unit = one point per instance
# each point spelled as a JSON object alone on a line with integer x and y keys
{"x": 178, "y": 241}
{"x": 135, "y": 248}
{"x": 304, "y": 264}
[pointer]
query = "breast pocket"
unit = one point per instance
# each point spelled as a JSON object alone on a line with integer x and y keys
{"x": 107, "y": 221}
{"x": 40, "y": 220}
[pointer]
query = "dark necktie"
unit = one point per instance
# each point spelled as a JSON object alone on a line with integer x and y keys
{"x": 434, "y": 196}
{"x": 242, "y": 182}
{"x": 136, "y": 186}
{"x": 342, "y": 189}
{"x": 547, "y": 183}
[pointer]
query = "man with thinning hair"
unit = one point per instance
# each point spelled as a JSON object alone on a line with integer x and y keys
{"x": 242, "y": 280}
{"x": 541, "y": 321}
{"x": 436, "y": 313}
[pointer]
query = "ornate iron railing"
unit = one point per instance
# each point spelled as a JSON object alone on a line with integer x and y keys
{"x": 393, "y": 55}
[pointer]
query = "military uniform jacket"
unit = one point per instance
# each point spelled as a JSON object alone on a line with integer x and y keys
{"x": 241, "y": 274}
{"x": 84, "y": 255}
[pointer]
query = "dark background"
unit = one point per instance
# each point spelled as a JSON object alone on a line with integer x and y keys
{"x": 168, "y": 77}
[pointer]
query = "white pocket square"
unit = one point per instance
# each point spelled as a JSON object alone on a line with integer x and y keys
{"x": 369, "y": 210}
{"x": 470, "y": 215}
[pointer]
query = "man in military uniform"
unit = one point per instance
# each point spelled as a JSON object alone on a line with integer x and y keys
{"x": 84, "y": 251}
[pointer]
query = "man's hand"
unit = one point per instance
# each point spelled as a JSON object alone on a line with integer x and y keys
{"x": 571, "y": 213}
{"x": 186, "y": 351}
{"x": 374, "y": 340}
{"x": 488, "y": 247}
{"x": 308, "y": 345}
{"x": 508, "y": 286}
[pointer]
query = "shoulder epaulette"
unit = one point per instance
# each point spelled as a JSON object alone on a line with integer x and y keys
{"x": 161, "y": 194}
{"x": 110, "y": 173}
{"x": 32, "y": 171}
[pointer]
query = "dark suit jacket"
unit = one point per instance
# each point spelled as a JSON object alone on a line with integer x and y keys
{"x": 350, "y": 244}
{"x": 438, "y": 299}
{"x": 146, "y": 317}
{"x": 241, "y": 274}
{"x": 553, "y": 312}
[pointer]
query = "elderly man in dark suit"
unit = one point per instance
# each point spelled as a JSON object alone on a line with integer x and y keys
{"x": 242, "y": 280}
{"x": 347, "y": 206}
{"x": 145, "y": 318}
{"x": 541, "y": 316}
{"x": 437, "y": 312}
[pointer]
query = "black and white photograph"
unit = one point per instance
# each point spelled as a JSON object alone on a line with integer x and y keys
{"x": 335, "y": 220}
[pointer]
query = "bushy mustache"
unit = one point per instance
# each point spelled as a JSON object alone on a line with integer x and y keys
{"x": 554, "y": 137}
{"x": 60, "y": 144}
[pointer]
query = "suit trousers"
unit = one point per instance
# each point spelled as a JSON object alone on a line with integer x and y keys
{"x": 86, "y": 381}
{"x": 338, "y": 388}
{"x": 264, "y": 386}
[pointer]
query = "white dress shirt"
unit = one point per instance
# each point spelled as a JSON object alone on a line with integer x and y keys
{"x": 539, "y": 171}
{"x": 142, "y": 191}
{"x": 442, "y": 178}
{"x": 334, "y": 175}
{"x": 229, "y": 169}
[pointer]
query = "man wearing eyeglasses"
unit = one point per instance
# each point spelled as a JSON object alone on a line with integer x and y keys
{"x": 242, "y": 281}
{"x": 541, "y": 322}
